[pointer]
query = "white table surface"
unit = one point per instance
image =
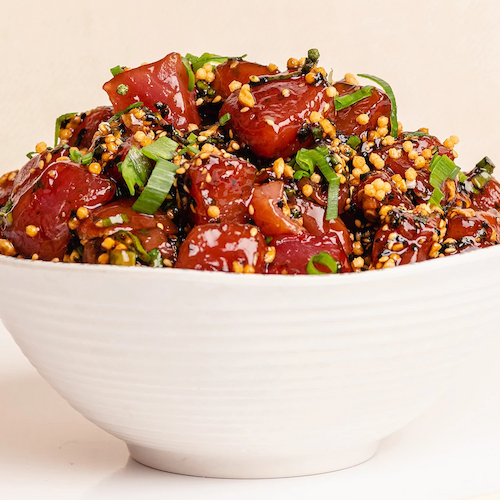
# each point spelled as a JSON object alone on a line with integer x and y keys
{"x": 47, "y": 450}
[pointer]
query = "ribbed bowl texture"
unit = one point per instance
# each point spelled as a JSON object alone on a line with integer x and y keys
{"x": 250, "y": 376}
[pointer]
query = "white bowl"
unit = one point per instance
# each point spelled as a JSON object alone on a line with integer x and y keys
{"x": 248, "y": 376}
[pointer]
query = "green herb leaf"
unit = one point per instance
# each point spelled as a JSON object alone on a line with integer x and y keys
{"x": 354, "y": 141}
{"x": 31, "y": 154}
{"x": 126, "y": 110}
{"x": 349, "y": 99}
{"x": 122, "y": 258}
{"x": 135, "y": 169}
{"x": 116, "y": 70}
{"x": 115, "y": 219}
{"x": 163, "y": 147}
{"x": 157, "y": 188}
{"x": 325, "y": 259}
{"x": 58, "y": 125}
{"x": 394, "y": 108}
{"x": 224, "y": 119}
{"x": 122, "y": 89}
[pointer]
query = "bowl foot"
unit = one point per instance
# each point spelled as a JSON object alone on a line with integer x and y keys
{"x": 252, "y": 466}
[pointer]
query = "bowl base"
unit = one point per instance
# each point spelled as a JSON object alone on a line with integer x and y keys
{"x": 252, "y": 467}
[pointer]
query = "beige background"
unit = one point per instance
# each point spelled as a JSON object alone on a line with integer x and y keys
{"x": 442, "y": 57}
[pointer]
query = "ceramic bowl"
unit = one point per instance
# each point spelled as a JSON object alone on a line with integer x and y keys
{"x": 250, "y": 376}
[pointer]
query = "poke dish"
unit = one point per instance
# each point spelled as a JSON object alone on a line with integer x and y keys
{"x": 221, "y": 164}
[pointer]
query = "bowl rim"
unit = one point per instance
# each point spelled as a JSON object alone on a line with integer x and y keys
{"x": 400, "y": 272}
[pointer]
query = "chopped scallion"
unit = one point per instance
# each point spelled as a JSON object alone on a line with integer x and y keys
{"x": 224, "y": 119}
{"x": 349, "y": 99}
{"x": 135, "y": 169}
{"x": 417, "y": 133}
{"x": 58, "y": 125}
{"x": 199, "y": 62}
{"x": 192, "y": 138}
{"x": 354, "y": 141}
{"x": 157, "y": 188}
{"x": 325, "y": 259}
{"x": 122, "y": 258}
{"x": 190, "y": 73}
{"x": 126, "y": 110}
{"x": 441, "y": 168}
{"x": 156, "y": 258}
{"x": 116, "y": 70}
{"x": 437, "y": 196}
{"x": 394, "y": 108}
{"x": 190, "y": 149}
{"x": 115, "y": 219}
{"x": 482, "y": 173}
{"x": 164, "y": 147}
{"x": 306, "y": 160}
{"x": 75, "y": 155}
{"x": 87, "y": 159}
{"x": 31, "y": 154}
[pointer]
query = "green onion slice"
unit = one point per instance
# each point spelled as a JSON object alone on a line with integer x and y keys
{"x": 199, "y": 62}
{"x": 31, "y": 154}
{"x": 58, "y": 125}
{"x": 418, "y": 133}
{"x": 122, "y": 258}
{"x": 441, "y": 168}
{"x": 115, "y": 219}
{"x": 192, "y": 138}
{"x": 157, "y": 188}
{"x": 349, "y": 99}
{"x": 121, "y": 236}
{"x": 156, "y": 258}
{"x": 483, "y": 173}
{"x": 394, "y": 108}
{"x": 190, "y": 73}
{"x": 326, "y": 260}
{"x": 135, "y": 169}
{"x": 306, "y": 160}
{"x": 437, "y": 196}
{"x": 163, "y": 147}
{"x": 354, "y": 141}
{"x": 116, "y": 70}
{"x": 87, "y": 159}
{"x": 190, "y": 149}
{"x": 224, "y": 119}
{"x": 126, "y": 110}
{"x": 75, "y": 155}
